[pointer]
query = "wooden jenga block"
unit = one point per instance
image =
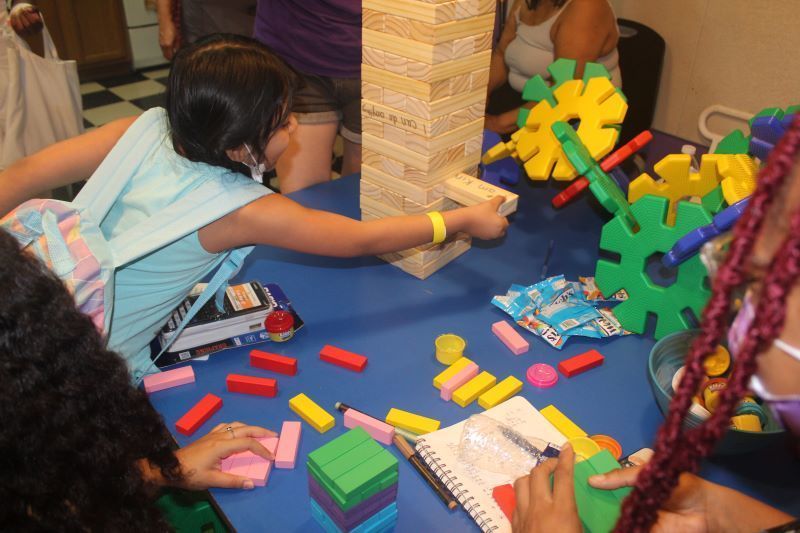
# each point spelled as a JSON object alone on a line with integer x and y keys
{"x": 467, "y": 190}
{"x": 370, "y": 91}
{"x": 404, "y": 120}
{"x": 421, "y": 195}
{"x": 436, "y": 33}
{"x": 421, "y": 11}
{"x": 372, "y": 127}
{"x": 373, "y": 20}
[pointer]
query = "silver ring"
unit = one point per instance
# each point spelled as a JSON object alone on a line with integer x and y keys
{"x": 230, "y": 430}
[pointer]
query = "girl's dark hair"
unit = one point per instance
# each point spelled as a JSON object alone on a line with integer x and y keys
{"x": 678, "y": 451}
{"x": 73, "y": 427}
{"x": 225, "y": 91}
{"x": 534, "y": 4}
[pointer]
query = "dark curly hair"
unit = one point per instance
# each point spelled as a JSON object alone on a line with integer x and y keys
{"x": 73, "y": 427}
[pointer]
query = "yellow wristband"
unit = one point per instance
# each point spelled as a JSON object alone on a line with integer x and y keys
{"x": 439, "y": 227}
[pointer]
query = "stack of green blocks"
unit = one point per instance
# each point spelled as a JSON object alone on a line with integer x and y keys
{"x": 598, "y": 509}
{"x": 353, "y": 484}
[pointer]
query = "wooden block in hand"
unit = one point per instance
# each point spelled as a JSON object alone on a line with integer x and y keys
{"x": 468, "y": 190}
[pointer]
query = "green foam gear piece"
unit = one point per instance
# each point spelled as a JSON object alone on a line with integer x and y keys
{"x": 601, "y": 185}
{"x": 522, "y": 116}
{"x": 776, "y": 112}
{"x": 714, "y": 201}
{"x": 537, "y": 89}
{"x": 598, "y": 509}
{"x": 689, "y": 290}
{"x": 733, "y": 143}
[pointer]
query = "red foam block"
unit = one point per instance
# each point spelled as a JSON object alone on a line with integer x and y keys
{"x": 343, "y": 358}
{"x": 580, "y": 363}
{"x": 274, "y": 362}
{"x": 252, "y": 385}
{"x": 198, "y": 414}
{"x": 506, "y": 499}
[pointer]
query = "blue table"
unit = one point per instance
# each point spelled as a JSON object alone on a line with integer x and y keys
{"x": 372, "y": 308}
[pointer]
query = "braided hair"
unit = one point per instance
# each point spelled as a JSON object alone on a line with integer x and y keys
{"x": 676, "y": 450}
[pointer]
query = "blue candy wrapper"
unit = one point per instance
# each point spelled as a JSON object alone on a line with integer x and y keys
{"x": 556, "y": 309}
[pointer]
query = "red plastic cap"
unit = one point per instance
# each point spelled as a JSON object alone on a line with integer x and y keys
{"x": 279, "y": 321}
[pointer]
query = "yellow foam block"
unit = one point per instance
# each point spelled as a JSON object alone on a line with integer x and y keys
{"x": 409, "y": 421}
{"x": 312, "y": 413}
{"x": 500, "y": 392}
{"x": 746, "y": 422}
{"x": 563, "y": 424}
{"x": 450, "y": 371}
{"x": 466, "y": 393}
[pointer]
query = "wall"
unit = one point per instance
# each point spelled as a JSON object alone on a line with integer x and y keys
{"x": 744, "y": 54}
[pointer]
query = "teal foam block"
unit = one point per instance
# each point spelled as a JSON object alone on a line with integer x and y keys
{"x": 382, "y": 521}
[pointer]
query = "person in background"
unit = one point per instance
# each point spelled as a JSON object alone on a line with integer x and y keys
{"x": 24, "y": 18}
{"x": 321, "y": 40}
{"x": 227, "y": 117}
{"x": 764, "y": 261}
{"x": 182, "y": 22}
{"x": 82, "y": 449}
{"x": 537, "y": 33}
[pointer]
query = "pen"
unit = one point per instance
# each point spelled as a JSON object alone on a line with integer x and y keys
{"x": 416, "y": 462}
{"x": 411, "y": 437}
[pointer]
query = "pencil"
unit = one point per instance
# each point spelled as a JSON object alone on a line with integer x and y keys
{"x": 423, "y": 470}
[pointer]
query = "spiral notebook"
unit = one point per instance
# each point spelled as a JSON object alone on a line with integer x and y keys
{"x": 473, "y": 486}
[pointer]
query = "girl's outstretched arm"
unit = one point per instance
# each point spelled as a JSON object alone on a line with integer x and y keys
{"x": 278, "y": 221}
{"x": 59, "y": 164}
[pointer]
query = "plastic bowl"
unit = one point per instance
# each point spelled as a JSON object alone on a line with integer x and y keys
{"x": 449, "y": 348}
{"x": 666, "y": 357}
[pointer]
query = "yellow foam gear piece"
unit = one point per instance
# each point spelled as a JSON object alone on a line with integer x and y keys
{"x": 567, "y": 427}
{"x": 313, "y": 414}
{"x": 596, "y": 104}
{"x": 677, "y": 181}
{"x": 450, "y": 371}
{"x": 469, "y": 391}
{"x": 412, "y": 422}
{"x": 500, "y": 392}
{"x": 738, "y": 173}
{"x": 497, "y": 152}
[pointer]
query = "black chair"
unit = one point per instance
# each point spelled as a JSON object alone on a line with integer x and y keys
{"x": 641, "y": 58}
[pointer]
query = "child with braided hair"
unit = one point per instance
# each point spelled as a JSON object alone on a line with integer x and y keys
{"x": 764, "y": 258}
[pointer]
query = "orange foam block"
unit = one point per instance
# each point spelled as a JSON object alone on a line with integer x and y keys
{"x": 198, "y": 414}
{"x": 168, "y": 379}
{"x": 580, "y": 363}
{"x": 378, "y": 430}
{"x": 288, "y": 445}
{"x": 248, "y": 464}
{"x": 509, "y": 336}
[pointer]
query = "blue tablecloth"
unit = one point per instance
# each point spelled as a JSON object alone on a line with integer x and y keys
{"x": 372, "y": 308}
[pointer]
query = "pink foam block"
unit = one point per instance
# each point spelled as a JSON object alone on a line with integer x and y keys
{"x": 248, "y": 464}
{"x": 463, "y": 375}
{"x": 168, "y": 379}
{"x": 378, "y": 430}
{"x": 509, "y": 336}
{"x": 289, "y": 443}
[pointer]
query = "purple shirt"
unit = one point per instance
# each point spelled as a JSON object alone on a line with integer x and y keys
{"x": 321, "y": 37}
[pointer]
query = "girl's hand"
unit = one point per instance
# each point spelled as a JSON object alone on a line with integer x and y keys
{"x": 200, "y": 460}
{"x": 540, "y": 508}
{"x": 686, "y": 509}
{"x": 482, "y": 220}
{"x": 25, "y": 19}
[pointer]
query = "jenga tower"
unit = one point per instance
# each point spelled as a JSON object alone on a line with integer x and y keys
{"x": 424, "y": 74}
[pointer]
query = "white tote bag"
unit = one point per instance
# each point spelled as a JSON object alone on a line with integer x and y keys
{"x": 42, "y": 97}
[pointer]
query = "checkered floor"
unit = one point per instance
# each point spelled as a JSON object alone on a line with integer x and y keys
{"x": 122, "y": 96}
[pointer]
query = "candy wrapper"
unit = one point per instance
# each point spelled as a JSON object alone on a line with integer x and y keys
{"x": 556, "y": 309}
